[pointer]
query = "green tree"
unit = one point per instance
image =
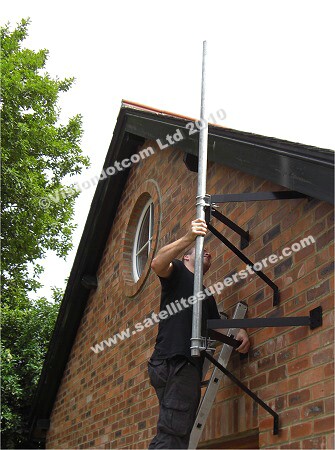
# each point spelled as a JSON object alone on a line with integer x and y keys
{"x": 26, "y": 333}
{"x": 38, "y": 152}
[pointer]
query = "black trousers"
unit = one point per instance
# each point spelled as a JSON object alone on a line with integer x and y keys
{"x": 177, "y": 385}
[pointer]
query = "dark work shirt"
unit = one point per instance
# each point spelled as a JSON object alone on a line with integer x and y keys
{"x": 175, "y": 332}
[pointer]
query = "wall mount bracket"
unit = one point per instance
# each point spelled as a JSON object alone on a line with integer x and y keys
{"x": 314, "y": 320}
{"x": 212, "y": 200}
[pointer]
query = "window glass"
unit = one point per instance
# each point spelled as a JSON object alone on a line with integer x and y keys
{"x": 143, "y": 238}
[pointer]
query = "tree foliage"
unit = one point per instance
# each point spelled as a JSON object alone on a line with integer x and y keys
{"x": 38, "y": 152}
{"x": 26, "y": 334}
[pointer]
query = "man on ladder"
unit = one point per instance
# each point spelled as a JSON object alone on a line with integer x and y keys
{"x": 173, "y": 372}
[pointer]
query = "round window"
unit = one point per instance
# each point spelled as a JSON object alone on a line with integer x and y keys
{"x": 140, "y": 238}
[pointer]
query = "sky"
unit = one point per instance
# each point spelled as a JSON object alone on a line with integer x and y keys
{"x": 269, "y": 68}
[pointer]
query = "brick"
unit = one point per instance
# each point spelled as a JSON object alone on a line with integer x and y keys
{"x": 317, "y": 229}
{"x": 299, "y": 397}
{"x": 296, "y": 335}
{"x": 318, "y": 290}
{"x": 286, "y": 294}
{"x": 293, "y": 445}
{"x": 322, "y": 356}
{"x": 325, "y": 239}
{"x": 281, "y": 403}
{"x": 328, "y": 319}
{"x": 266, "y": 362}
{"x": 329, "y": 370}
{"x": 262, "y": 255}
{"x": 330, "y": 441}
{"x": 326, "y": 270}
{"x": 312, "y": 410}
{"x": 289, "y": 416}
{"x": 329, "y": 405}
{"x": 258, "y": 381}
{"x": 322, "y": 210}
{"x": 311, "y": 376}
{"x": 324, "y": 388}
{"x": 292, "y": 217}
{"x": 308, "y": 345}
{"x": 257, "y": 297}
{"x": 142, "y": 425}
{"x": 283, "y": 267}
{"x": 279, "y": 373}
{"x": 282, "y": 386}
{"x": 330, "y": 219}
{"x": 301, "y": 430}
{"x": 324, "y": 424}
{"x": 285, "y": 355}
{"x": 271, "y": 234}
{"x": 318, "y": 442}
{"x": 304, "y": 253}
{"x": 327, "y": 303}
{"x": 266, "y": 423}
{"x": 310, "y": 205}
{"x": 269, "y": 438}
{"x": 306, "y": 283}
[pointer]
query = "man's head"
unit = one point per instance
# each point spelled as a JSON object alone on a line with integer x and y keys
{"x": 189, "y": 259}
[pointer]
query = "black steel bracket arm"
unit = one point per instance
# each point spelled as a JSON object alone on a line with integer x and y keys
{"x": 245, "y": 238}
{"x": 257, "y": 196}
{"x": 230, "y": 340}
{"x": 314, "y": 320}
{"x": 247, "y": 391}
{"x": 245, "y": 197}
{"x": 245, "y": 259}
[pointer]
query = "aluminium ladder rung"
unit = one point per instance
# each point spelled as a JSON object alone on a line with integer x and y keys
{"x": 214, "y": 382}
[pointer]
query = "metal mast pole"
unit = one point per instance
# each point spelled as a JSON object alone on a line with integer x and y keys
{"x": 200, "y": 203}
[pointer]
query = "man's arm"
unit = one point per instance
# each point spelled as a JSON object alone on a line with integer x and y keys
{"x": 162, "y": 263}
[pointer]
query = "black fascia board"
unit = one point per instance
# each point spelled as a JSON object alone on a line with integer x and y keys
{"x": 298, "y": 167}
{"x": 279, "y": 160}
{"x": 90, "y": 250}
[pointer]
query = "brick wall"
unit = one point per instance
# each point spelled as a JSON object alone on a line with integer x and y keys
{"x": 105, "y": 399}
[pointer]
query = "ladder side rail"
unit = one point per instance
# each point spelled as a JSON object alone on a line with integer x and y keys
{"x": 214, "y": 383}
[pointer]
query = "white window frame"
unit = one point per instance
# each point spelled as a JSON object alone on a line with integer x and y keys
{"x": 149, "y": 205}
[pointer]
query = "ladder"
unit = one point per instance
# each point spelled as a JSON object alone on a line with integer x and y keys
{"x": 214, "y": 382}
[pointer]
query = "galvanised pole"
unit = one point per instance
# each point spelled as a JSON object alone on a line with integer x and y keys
{"x": 200, "y": 203}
